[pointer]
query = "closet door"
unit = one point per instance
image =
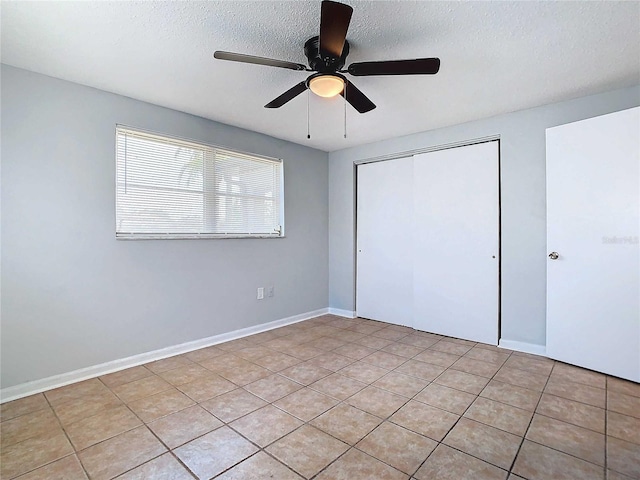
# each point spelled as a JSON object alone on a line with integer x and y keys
{"x": 455, "y": 259}
{"x": 384, "y": 241}
{"x": 593, "y": 217}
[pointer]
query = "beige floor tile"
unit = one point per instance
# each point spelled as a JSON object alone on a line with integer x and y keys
{"x": 577, "y": 441}
{"x": 623, "y": 427}
{"x": 373, "y": 342}
{"x": 75, "y": 391}
{"x": 484, "y": 442}
{"x": 307, "y": 450}
{"x": 611, "y": 475}
{"x": 577, "y": 391}
{"x": 306, "y": 404}
{"x": 22, "y": 406}
{"x": 363, "y": 372}
{"x": 170, "y": 363}
{"x": 476, "y": 367}
{"x": 232, "y": 405}
{"x": 521, "y": 378}
{"x": 203, "y": 354}
{"x": 116, "y": 455}
{"x": 331, "y": 361}
{"x": 105, "y": 424}
{"x": 356, "y": 465}
{"x": 434, "y": 357}
{"x": 224, "y": 362}
{"x": 417, "y": 340}
{"x": 450, "y": 347}
{"x": 397, "y": 446}
{"x": 138, "y": 389}
{"x": 160, "y": 405}
{"x": 338, "y": 386}
{"x": 421, "y": 370}
{"x": 401, "y": 384}
{"x": 125, "y": 376}
{"x": 623, "y": 386}
{"x": 26, "y": 426}
{"x": 390, "y": 334}
{"x": 33, "y": 453}
{"x": 346, "y": 423}
{"x": 206, "y": 388}
{"x": 623, "y": 457}
{"x": 511, "y": 394}
{"x": 248, "y": 373}
{"x": 354, "y": 351}
{"x": 569, "y": 373}
{"x": 623, "y": 403}
{"x": 573, "y": 412}
{"x": 305, "y": 373}
{"x": 259, "y": 467}
{"x": 183, "y": 426}
{"x": 326, "y": 343}
{"x": 254, "y": 353}
{"x": 403, "y": 350}
{"x": 215, "y": 452}
{"x": 445, "y": 398}
{"x": 465, "y": 382}
{"x": 233, "y": 345}
{"x": 273, "y": 387}
{"x": 186, "y": 374}
{"x": 67, "y": 468}
{"x": 445, "y": 463}
{"x": 277, "y": 361}
{"x": 537, "y": 462}
{"x": 495, "y": 414}
{"x": 528, "y": 364}
{"x": 368, "y": 327}
{"x": 377, "y": 401}
{"x": 85, "y": 406}
{"x": 385, "y": 360}
{"x": 304, "y": 352}
{"x": 485, "y": 355}
{"x": 425, "y": 419}
{"x": 164, "y": 467}
{"x": 266, "y": 425}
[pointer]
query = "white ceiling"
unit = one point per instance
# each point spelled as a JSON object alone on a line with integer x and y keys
{"x": 496, "y": 57}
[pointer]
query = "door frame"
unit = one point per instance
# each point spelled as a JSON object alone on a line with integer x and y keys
{"x": 407, "y": 153}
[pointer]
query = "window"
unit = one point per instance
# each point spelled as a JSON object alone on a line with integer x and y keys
{"x": 171, "y": 188}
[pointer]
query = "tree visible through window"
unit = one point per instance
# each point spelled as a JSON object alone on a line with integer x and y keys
{"x": 171, "y": 188}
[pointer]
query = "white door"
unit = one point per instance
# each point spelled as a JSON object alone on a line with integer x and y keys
{"x": 456, "y": 209}
{"x": 593, "y": 216}
{"x": 384, "y": 245}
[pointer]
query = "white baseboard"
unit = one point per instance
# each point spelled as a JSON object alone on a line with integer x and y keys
{"x": 342, "y": 313}
{"x": 55, "y": 381}
{"x": 532, "y": 348}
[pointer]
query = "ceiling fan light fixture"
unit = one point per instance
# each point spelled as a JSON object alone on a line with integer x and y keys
{"x": 326, "y": 86}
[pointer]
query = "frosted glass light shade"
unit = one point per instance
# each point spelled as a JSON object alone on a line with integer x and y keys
{"x": 326, "y": 85}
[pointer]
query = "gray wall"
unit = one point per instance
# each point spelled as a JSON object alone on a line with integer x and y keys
{"x": 524, "y": 253}
{"x": 73, "y": 296}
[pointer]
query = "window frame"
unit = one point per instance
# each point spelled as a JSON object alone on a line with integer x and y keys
{"x": 173, "y": 139}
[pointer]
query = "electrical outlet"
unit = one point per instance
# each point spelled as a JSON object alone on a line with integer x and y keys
{"x": 270, "y": 291}
{"x": 260, "y": 293}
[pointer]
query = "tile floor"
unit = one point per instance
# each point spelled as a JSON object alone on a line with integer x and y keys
{"x": 331, "y": 398}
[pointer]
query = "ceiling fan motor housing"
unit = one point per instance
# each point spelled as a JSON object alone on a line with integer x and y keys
{"x": 321, "y": 61}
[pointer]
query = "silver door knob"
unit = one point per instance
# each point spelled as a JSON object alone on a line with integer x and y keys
{"x": 554, "y": 255}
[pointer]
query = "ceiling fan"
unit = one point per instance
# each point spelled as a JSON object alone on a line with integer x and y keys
{"x": 327, "y": 54}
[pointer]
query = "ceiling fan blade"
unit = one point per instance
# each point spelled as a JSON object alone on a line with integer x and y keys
{"x": 334, "y": 23}
{"x": 356, "y": 98}
{"x": 239, "y": 57}
{"x": 290, "y": 94}
{"x": 418, "y": 66}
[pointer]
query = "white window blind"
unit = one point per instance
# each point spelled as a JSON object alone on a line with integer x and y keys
{"x": 171, "y": 188}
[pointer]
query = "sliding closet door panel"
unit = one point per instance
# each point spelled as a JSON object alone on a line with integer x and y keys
{"x": 593, "y": 224}
{"x": 384, "y": 244}
{"x": 455, "y": 280}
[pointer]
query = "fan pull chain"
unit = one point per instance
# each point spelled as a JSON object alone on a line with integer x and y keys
{"x": 345, "y": 109}
{"x": 308, "y": 95}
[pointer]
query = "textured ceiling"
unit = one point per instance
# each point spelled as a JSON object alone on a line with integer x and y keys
{"x": 496, "y": 57}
